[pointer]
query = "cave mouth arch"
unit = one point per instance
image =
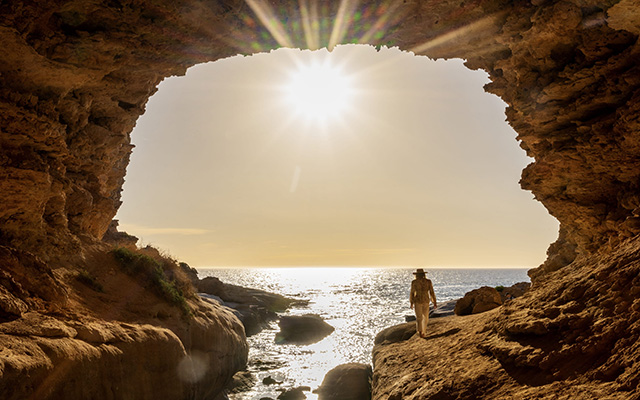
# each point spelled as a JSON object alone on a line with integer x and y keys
{"x": 78, "y": 76}
{"x": 420, "y": 166}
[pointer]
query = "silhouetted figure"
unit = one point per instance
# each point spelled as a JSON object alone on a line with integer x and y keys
{"x": 421, "y": 294}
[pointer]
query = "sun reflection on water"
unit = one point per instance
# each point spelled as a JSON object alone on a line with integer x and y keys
{"x": 357, "y": 302}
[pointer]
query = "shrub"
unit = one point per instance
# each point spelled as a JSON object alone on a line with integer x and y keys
{"x": 500, "y": 288}
{"x": 142, "y": 265}
{"x": 89, "y": 280}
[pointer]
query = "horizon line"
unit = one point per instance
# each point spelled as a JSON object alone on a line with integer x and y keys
{"x": 359, "y": 266}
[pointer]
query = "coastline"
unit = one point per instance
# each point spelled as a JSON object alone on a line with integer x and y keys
{"x": 341, "y": 304}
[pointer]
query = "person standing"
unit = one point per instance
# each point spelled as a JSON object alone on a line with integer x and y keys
{"x": 421, "y": 295}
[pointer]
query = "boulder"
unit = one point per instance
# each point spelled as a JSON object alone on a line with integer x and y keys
{"x": 211, "y": 285}
{"x": 395, "y": 334}
{"x": 242, "y": 381}
{"x": 293, "y": 394}
{"x": 270, "y": 381}
{"x": 346, "y": 382}
{"x": 517, "y": 290}
{"x": 302, "y": 329}
{"x": 444, "y": 310}
{"x": 478, "y": 301}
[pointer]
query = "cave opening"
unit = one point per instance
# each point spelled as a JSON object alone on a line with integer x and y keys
{"x": 418, "y": 167}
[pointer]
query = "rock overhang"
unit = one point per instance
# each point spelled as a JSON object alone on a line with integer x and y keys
{"x": 76, "y": 76}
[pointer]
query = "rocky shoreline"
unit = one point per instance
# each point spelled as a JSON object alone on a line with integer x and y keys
{"x": 353, "y": 381}
{"x": 81, "y": 338}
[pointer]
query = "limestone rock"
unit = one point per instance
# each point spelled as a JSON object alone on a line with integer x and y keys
{"x": 119, "y": 239}
{"x": 478, "y": 301}
{"x": 10, "y": 306}
{"x": 85, "y": 344}
{"x": 73, "y": 87}
{"x": 582, "y": 340}
{"x": 514, "y": 291}
{"x": 396, "y": 333}
{"x": 254, "y": 307}
{"x": 302, "y": 329}
{"x": 346, "y": 382}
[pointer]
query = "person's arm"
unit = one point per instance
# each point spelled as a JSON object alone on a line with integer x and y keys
{"x": 412, "y": 294}
{"x": 433, "y": 295}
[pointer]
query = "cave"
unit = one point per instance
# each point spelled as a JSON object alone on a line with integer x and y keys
{"x": 76, "y": 75}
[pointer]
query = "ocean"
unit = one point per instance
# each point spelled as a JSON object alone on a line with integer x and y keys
{"x": 357, "y": 302}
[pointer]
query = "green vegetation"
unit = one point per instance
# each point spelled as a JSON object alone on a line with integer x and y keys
{"x": 89, "y": 280}
{"x": 142, "y": 265}
{"x": 500, "y": 288}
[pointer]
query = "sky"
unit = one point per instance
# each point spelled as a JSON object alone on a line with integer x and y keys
{"x": 346, "y": 158}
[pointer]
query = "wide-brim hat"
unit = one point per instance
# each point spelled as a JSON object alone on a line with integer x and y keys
{"x": 420, "y": 271}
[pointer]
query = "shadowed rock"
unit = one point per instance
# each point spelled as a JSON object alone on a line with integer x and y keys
{"x": 477, "y": 301}
{"x": 397, "y": 333}
{"x": 294, "y": 394}
{"x": 254, "y": 307}
{"x": 302, "y": 329}
{"x": 346, "y": 382}
{"x": 514, "y": 291}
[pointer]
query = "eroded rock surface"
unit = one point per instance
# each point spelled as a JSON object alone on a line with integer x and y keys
{"x": 74, "y": 341}
{"x": 75, "y": 77}
{"x": 574, "y": 334}
{"x": 478, "y": 300}
{"x": 254, "y": 307}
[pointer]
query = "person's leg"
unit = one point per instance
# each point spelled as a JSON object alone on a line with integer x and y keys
{"x": 422, "y": 312}
{"x": 425, "y": 319}
{"x": 419, "y": 316}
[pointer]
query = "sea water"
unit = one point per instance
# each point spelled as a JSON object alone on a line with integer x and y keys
{"x": 357, "y": 302}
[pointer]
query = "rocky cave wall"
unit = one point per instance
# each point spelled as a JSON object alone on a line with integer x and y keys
{"x": 75, "y": 76}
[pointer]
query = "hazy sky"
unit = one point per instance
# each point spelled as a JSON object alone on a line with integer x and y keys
{"x": 409, "y": 163}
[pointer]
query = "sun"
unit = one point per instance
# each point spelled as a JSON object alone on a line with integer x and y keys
{"x": 319, "y": 91}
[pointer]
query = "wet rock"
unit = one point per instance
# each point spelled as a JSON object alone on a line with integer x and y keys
{"x": 243, "y": 381}
{"x": 254, "y": 307}
{"x": 302, "y": 329}
{"x": 346, "y": 382}
{"x": 478, "y": 301}
{"x": 270, "y": 381}
{"x": 293, "y": 394}
{"x": 266, "y": 365}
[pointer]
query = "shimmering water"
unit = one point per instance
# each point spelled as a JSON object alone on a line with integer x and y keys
{"x": 357, "y": 302}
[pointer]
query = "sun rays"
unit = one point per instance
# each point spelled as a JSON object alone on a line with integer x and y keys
{"x": 314, "y": 25}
